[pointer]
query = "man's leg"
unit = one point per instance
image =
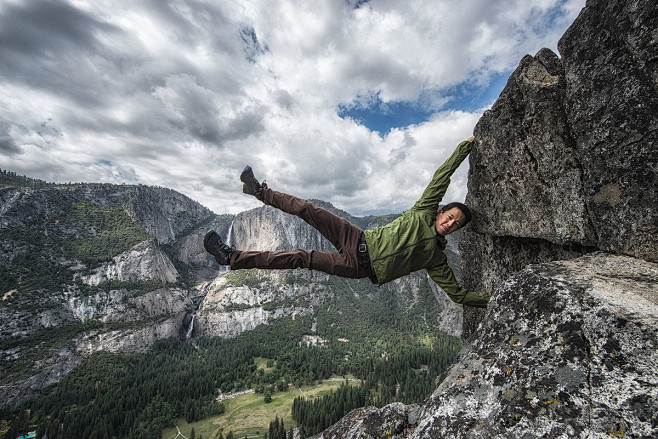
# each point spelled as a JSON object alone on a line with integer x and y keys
{"x": 338, "y": 231}
{"x": 343, "y": 235}
{"x": 328, "y": 262}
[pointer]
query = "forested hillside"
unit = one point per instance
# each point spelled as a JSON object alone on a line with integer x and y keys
{"x": 136, "y": 396}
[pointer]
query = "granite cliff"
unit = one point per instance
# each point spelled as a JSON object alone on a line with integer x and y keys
{"x": 562, "y": 182}
{"x": 84, "y": 268}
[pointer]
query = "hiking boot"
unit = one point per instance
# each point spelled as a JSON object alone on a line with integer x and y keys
{"x": 251, "y": 186}
{"x": 214, "y": 245}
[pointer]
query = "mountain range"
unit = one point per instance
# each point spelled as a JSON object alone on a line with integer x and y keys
{"x": 99, "y": 267}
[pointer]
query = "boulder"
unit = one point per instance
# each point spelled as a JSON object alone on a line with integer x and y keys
{"x": 394, "y": 421}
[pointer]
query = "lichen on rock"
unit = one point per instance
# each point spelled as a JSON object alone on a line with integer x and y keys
{"x": 567, "y": 349}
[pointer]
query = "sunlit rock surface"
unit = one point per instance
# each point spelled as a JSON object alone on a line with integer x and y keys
{"x": 145, "y": 261}
{"x": 568, "y": 349}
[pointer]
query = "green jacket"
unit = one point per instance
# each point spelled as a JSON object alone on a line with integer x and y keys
{"x": 411, "y": 242}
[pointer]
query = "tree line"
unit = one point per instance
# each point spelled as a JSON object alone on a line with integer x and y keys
{"x": 314, "y": 416}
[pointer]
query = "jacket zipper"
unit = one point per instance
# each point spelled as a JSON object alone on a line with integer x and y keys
{"x": 404, "y": 248}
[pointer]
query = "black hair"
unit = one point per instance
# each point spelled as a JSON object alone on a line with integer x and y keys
{"x": 464, "y": 209}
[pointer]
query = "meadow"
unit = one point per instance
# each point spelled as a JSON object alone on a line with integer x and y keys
{"x": 248, "y": 415}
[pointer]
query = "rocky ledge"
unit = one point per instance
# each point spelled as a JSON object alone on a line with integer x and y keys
{"x": 567, "y": 349}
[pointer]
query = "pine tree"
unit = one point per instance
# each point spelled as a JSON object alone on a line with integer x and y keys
{"x": 282, "y": 430}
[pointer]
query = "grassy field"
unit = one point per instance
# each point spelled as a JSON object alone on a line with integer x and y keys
{"x": 249, "y": 415}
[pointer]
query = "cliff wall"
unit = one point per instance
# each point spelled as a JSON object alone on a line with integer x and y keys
{"x": 562, "y": 183}
{"x": 84, "y": 268}
{"x": 570, "y": 149}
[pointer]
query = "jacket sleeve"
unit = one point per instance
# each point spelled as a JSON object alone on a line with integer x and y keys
{"x": 445, "y": 278}
{"x": 434, "y": 192}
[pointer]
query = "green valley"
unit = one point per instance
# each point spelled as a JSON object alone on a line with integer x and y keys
{"x": 392, "y": 357}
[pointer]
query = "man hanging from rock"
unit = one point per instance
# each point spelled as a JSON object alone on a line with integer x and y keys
{"x": 415, "y": 240}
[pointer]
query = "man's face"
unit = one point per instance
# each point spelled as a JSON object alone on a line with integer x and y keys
{"x": 449, "y": 221}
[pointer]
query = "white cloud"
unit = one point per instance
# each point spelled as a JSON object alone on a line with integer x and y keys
{"x": 183, "y": 94}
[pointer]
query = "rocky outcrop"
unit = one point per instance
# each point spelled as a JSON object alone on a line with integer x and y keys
{"x": 132, "y": 339}
{"x": 524, "y": 147}
{"x": 267, "y": 228}
{"x": 395, "y": 421}
{"x": 145, "y": 261}
{"x": 562, "y": 183}
{"x": 611, "y": 71}
{"x": 123, "y": 305}
{"x": 568, "y": 349}
{"x": 230, "y": 308}
{"x": 570, "y": 150}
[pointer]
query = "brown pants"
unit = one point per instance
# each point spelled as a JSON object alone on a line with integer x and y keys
{"x": 343, "y": 235}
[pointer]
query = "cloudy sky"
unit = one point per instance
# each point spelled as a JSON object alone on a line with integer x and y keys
{"x": 350, "y": 101}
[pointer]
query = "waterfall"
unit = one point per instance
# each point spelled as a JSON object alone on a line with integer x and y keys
{"x": 190, "y": 328}
{"x": 228, "y": 234}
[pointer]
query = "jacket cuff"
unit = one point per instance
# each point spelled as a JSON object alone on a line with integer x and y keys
{"x": 476, "y": 300}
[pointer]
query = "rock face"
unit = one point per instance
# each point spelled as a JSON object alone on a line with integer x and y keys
{"x": 124, "y": 304}
{"x": 270, "y": 229}
{"x": 121, "y": 305}
{"x": 230, "y": 308}
{"x": 395, "y": 421}
{"x": 570, "y": 148}
{"x": 145, "y": 261}
{"x": 562, "y": 183}
{"x": 525, "y": 148}
{"x": 611, "y": 70}
{"x": 568, "y": 349}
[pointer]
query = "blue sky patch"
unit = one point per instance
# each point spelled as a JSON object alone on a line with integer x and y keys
{"x": 381, "y": 116}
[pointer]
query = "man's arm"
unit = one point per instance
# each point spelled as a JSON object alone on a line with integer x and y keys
{"x": 445, "y": 278}
{"x": 434, "y": 192}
